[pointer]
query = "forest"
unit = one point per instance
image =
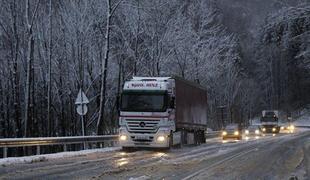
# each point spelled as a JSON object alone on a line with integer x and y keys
{"x": 249, "y": 55}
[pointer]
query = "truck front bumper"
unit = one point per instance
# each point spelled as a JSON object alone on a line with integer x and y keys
{"x": 270, "y": 129}
{"x": 158, "y": 140}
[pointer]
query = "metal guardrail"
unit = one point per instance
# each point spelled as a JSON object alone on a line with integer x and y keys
{"x": 302, "y": 126}
{"x": 45, "y": 141}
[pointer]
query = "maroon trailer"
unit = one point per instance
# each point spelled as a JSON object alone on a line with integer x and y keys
{"x": 191, "y": 110}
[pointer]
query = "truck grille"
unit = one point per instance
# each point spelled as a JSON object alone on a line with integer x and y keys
{"x": 142, "y": 125}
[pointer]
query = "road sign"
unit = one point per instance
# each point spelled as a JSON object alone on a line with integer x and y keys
{"x": 81, "y": 109}
{"x": 81, "y": 98}
{"x": 81, "y": 101}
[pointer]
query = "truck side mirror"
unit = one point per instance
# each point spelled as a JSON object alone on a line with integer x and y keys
{"x": 171, "y": 105}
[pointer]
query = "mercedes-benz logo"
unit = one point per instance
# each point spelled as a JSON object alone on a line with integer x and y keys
{"x": 142, "y": 124}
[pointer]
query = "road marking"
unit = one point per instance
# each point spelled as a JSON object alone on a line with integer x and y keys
{"x": 297, "y": 135}
{"x": 218, "y": 163}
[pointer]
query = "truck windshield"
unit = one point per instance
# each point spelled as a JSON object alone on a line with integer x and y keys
{"x": 269, "y": 119}
{"x": 270, "y": 114}
{"x": 143, "y": 101}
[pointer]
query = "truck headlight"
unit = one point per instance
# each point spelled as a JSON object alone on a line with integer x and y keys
{"x": 256, "y": 131}
{"x": 273, "y": 129}
{"x": 123, "y": 138}
{"x": 236, "y": 133}
{"x": 161, "y": 138}
{"x": 224, "y": 133}
{"x": 246, "y": 131}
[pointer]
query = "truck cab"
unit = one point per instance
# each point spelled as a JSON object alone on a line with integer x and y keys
{"x": 161, "y": 112}
{"x": 270, "y": 121}
{"x": 147, "y": 112}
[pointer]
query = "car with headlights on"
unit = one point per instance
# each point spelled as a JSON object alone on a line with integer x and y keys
{"x": 232, "y": 131}
{"x": 287, "y": 128}
{"x": 253, "y": 130}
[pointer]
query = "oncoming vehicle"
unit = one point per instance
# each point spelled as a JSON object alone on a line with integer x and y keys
{"x": 160, "y": 112}
{"x": 269, "y": 121}
{"x": 253, "y": 130}
{"x": 232, "y": 131}
{"x": 287, "y": 128}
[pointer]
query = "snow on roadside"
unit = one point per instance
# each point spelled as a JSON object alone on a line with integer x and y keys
{"x": 304, "y": 119}
{"x": 46, "y": 157}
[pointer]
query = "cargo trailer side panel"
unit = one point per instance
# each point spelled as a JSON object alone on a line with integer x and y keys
{"x": 191, "y": 105}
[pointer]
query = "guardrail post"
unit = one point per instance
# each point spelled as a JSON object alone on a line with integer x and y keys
{"x": 65, "y": 147}
{"x": 5, "y": 152}
{"x": 38, "y": 150}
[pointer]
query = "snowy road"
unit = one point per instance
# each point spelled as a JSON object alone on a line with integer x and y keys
{"x": 269, "y": 157}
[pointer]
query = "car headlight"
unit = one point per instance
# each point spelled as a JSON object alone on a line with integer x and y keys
{"x": 256, "y": 131}
{"x": 264, "y": 129}
{"x": 123, "y": 138}
{"x": 282, "y": 127}
{"x": 161, "y": 138}
{"x": 224, "y": 133}
{"x": 236, "y": 133}
{"x": 292, "y": 127}
{"x": 273, "y": 129}
{"x": 246, "y": 131}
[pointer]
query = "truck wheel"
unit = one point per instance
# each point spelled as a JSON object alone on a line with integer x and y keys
{"x": 170, "y": 140}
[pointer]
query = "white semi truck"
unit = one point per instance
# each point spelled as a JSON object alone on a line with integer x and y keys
{"x": 270, "y": 121}
{"x": 161, "y": 112}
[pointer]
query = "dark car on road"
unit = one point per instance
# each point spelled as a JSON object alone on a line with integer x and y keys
{"x": 232, "y": 131}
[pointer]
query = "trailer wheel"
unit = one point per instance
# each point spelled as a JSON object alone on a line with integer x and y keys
{"x": 196, "y": 138}
{"x": 203, "y": 138}
{"x": 199, "y": 137}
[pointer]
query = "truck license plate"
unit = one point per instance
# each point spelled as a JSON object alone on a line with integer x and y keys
{"x": 142, "y": 137}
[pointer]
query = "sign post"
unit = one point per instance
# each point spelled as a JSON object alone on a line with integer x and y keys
{"x": 81, "y": 108}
